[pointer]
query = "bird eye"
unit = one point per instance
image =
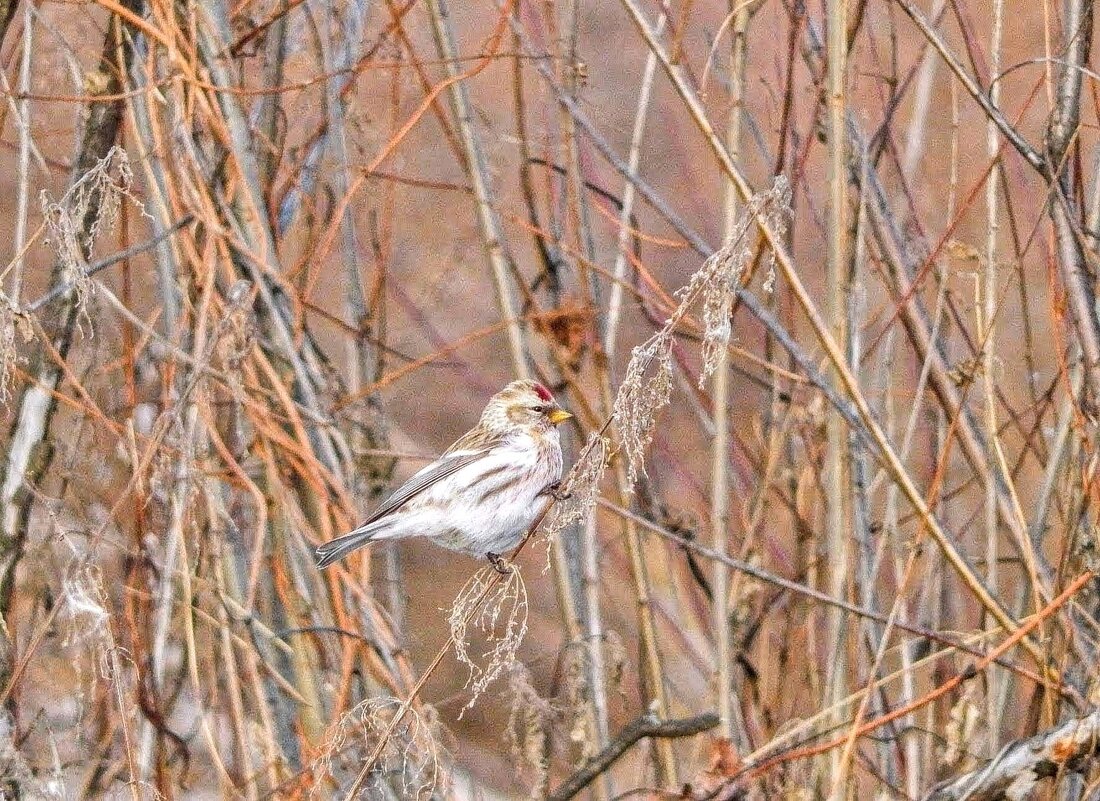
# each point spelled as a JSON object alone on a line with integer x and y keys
{"x": 538, "y": 409}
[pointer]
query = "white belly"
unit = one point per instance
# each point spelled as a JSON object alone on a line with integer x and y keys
{"x": 493, "y": 502}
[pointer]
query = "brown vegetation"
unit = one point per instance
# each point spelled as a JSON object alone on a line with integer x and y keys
{"x": 817, "y": 282}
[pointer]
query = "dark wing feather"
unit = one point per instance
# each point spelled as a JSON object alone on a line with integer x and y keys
{"x": 437, "y": 471}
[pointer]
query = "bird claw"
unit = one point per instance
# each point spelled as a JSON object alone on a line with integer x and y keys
{"x": 499, "y": 564}
{"x": 554, "y": 491}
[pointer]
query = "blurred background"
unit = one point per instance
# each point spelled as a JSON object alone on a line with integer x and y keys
{"x": 266, "y": 258}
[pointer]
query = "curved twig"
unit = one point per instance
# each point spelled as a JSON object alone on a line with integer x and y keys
{"x": 646, "y": 726}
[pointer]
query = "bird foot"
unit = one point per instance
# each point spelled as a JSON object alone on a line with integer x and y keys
{"x": 554, "y": 491}
{"x": 499, "y": 564}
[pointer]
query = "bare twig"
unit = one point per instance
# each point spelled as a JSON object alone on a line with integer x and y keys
{"x": 109, "y": 261}
{"x": 646, "y": 726}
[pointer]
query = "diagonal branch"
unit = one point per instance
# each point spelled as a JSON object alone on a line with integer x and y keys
{"x": 1030, "y": 154}
{"x": 477, "y": 168}
{"x": 1022, "y": 763}
{"x": 646, "y": 726}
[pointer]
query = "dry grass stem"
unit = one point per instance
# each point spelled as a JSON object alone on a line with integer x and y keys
{"x": 647, "y": 385}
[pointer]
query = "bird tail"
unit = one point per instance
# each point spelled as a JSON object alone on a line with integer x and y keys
{"x": 337, "y": 549}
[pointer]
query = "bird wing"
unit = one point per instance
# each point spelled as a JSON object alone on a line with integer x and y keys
{"x": 438, "y": 470}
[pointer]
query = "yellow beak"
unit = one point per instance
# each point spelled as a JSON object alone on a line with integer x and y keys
{"x": 559, "y": 416}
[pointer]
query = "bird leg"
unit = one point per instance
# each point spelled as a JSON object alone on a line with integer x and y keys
{"x": 554, "y": 491}
{"x": 499, "y": 564}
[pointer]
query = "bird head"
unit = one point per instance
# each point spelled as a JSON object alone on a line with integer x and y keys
{"x": 524, "y": 403}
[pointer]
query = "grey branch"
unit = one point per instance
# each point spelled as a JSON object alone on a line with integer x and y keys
{"x": 645, "y": 726}
{"x": 135, "y": 250}
{"x": 1022, "y": 763}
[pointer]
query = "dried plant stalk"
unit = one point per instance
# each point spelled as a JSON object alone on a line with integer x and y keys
{"x": 414, "y": 762}
{"x": 647, "y": 386}
{"x": 89, "y": 208}
{"x": 495, "y": 611}
{"x": 529, "y": 729}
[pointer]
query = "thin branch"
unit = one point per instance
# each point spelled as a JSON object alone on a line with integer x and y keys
{"x": 122, "y": 255}
{"x": 648, "y": 725}
{"x": 1030, "y": 154}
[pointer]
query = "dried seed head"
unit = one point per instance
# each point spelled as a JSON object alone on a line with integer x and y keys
{"x": 85, "y": 606}
{"x": 412, "y": 764}
{"x": 237, "y": 330}
{"x": 497, "y": 611}
{"x": 962, "y": 729}
{"x": 7, "y": 352}
{"x": 12, "y": 322}
{"x": 718, "y": 283}
{"x": 719, "y": 276}
{"x": 530, "y": 721}
{"x": 86, "y": 210}
{"x": 30, "y": 784}
{"x": 645, "y": 390}
{"x": 647, "y": 385}
{"x": 776, "y": 207}
{"x": 582, "y": 484}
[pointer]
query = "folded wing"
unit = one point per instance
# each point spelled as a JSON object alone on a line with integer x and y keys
{"x": 438, "y": 470}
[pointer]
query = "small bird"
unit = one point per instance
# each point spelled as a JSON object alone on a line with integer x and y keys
{"x": 482, "y": 495}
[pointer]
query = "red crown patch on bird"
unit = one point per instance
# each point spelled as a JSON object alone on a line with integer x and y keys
{"x": 543, "y": 393}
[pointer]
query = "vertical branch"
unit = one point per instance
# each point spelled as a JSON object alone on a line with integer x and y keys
{"x": 1061, "y": 133}
{"x": 269, "y": 107}
{"x": 23, "y": 120}
{"x": 614, "y": 310}
{"x": 618, "y": 274}
{"x": 720, "y": 446}
{"x": 654, "y": 674}
{"x": 987, "y": 312}
{"x": 654, "y": 677}
{"x": 27, "y": 458}
{"x": 153, "y": 162}
{"x": 476, "y": 168}
{"x": 571, "y": 560}
{"x": 837, "y": 476}
{"x": 917, "y": 132}
{"x": 159, "y": 208}
{"x": 870, "y": 557}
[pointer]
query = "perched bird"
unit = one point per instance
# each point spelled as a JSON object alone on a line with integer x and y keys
{"x": 482, "y": 495}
